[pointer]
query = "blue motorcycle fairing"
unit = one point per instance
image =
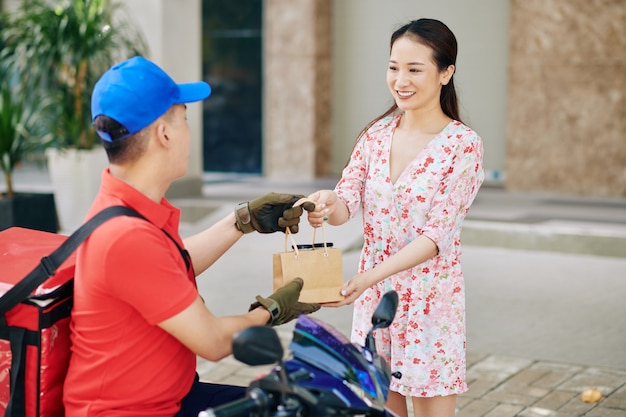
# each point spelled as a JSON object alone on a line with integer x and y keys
{"x": 319, "y": 345}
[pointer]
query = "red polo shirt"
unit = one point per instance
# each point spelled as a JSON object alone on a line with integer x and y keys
{"x": 129, "y": 277}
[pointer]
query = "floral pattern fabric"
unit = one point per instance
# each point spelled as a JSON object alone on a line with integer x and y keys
{"x": 426, "y": 342}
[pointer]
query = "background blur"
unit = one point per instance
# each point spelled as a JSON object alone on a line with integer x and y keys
{"x": 543, "y": 82}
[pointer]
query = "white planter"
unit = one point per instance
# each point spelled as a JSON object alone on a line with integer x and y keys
{"x": 75, "y": 176}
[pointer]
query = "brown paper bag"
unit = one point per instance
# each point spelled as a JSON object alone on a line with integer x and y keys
{"x": 319, "y": 265}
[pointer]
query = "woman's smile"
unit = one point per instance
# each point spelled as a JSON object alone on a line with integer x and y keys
{"x": 405, "y": 94}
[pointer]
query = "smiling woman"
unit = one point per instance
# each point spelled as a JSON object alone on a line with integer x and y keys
{"x": 413, "y": 174}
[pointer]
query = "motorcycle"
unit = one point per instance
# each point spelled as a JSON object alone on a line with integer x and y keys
{"x": 326, "y": 375}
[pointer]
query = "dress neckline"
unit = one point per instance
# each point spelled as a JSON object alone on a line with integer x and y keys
{"x": 435, "y": 138}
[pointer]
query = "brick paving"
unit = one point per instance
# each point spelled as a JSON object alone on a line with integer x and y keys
{"x": 499, "y": 386}
{"x": 508, "y": 386}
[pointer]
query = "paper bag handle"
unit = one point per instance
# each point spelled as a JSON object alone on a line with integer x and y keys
{"x": 288, "y": 233}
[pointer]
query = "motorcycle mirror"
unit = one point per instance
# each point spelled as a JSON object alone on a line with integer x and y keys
{"x": 386, "y": 311}
{"x": 383, "y": 317}
{"x": 257, "y": 345}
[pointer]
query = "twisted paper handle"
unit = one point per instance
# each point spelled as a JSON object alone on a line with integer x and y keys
{"x": 288, "y": 233}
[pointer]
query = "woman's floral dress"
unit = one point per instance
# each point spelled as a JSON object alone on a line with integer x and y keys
{"x": 426, "y": 342}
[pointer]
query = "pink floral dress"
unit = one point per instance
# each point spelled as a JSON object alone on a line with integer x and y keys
{"x": 426, "y": 342}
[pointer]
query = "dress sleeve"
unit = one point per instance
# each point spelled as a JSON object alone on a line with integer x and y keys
{"x": 456, "y": 192}
{"x": 146, "y": 273}
{"x": 350, "y": 187}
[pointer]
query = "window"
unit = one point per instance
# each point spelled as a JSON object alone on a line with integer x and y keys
{"x": 232, "y": 65}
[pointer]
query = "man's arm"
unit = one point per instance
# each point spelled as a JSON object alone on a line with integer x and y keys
{"x": 211, "y": 337}
{"x": 207, "y": 335}
{"x": 270, "y": 213}
{"x": 209, "y": 245}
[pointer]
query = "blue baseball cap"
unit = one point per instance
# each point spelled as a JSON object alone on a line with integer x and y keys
{"x": 137, "y": 92}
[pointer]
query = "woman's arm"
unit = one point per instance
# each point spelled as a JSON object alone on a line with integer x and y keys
{"x": 413, "y": 254}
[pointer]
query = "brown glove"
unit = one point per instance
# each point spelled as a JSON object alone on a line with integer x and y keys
{"x": 271, "y": 213}
{"x": 283, "y": 305}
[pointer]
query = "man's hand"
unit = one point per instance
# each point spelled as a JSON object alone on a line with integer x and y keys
{"x": 271, "y": 213}
{"x": 283, "y": 305}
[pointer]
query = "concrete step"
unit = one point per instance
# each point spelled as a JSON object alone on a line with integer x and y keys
{"x": 498, "y": 218}
{"x": 565, "y": 239}
{"x": 547, "y": 222}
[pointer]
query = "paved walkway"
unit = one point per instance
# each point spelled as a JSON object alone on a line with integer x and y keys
{"x": 499, "y": 386}
{"x": 544, "y": 324}
{"x": 545, "y": 282}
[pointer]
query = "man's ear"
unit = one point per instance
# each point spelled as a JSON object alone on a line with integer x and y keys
{"x": 161, "y": 134}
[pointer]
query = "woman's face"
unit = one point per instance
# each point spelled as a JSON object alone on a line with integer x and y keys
{"x": 413, "y": 77}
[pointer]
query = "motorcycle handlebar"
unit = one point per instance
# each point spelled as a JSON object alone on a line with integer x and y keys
{"x": 255, "y": 400}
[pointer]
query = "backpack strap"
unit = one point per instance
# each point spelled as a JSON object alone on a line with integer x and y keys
{"x": 49, "y": 264}
{"x": 183, "y": 252}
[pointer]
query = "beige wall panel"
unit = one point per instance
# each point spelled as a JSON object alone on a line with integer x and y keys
{"x": 567, "y": 97}
{"x": 296, "y": 84}
{"x": 173, "y": 32}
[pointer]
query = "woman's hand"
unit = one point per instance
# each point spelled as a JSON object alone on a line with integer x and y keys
{"x": 354, "y": 288}
{"x": 325, "y": 206}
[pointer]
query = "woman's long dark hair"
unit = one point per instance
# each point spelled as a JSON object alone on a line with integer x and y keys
{"x": 442, "y": 41}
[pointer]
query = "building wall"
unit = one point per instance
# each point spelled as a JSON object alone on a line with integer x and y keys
{"x": 173, "y": 32}
{"x": 567, "y": 97}
{"x": 296, "y": 82}
{"x": 542, "y": 81}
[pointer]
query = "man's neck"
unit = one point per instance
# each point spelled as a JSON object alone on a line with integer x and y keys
{"x": 141, "y": 179}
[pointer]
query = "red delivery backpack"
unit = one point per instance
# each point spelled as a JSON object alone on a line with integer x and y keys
{"x": 35, "y": 311}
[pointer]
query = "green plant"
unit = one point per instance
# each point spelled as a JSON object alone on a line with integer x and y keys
{"x": 11, "y": 134}
{"x": 59, "y": 49}
{"x": 20, "y": 123}
{"x": 17, "y": 129}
